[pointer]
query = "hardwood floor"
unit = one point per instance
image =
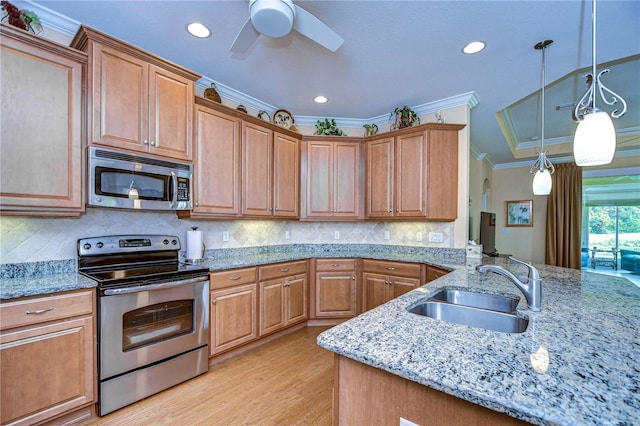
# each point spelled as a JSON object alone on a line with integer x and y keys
{"x": 287, "y": 381}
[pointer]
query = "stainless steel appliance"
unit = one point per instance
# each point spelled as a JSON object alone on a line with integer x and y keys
{"x": 153, "y": 315}
{"x": 128, "y": 181}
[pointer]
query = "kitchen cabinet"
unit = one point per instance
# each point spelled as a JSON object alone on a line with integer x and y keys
{"x": 47, "y": 347}
{"x": 413, "y": 173}
{"x": 42, "y": 122}
{"x": 335, "y": 288}
{"x": 137, "y": 101}
{"x": 283, "y": 295}
{"x": 234, "y": 309}
{"x": 433, "y": 273}
{"x": 386, "y": 280}
{"x": 216, "y": 165}
{"x": 271, "y": 173}
{"x": 332, "y": 178}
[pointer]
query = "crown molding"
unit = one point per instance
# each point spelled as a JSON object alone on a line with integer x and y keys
{"x": 564, "y": 159}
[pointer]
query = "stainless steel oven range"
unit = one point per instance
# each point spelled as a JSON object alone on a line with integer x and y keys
{"x": 153, "y": 315}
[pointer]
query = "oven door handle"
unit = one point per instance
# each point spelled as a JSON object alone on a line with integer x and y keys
{"x": 151, "y": 287}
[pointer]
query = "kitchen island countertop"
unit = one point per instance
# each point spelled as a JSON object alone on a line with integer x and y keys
{"x": 585, "y": 343}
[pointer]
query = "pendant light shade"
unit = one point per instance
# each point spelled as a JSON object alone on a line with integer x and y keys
{"x": 542, "y": 182}
{"x": 595, "y": 140}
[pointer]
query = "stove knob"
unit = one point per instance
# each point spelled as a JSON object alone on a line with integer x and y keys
{"x": 174, "y": 242}
{"x": 99, "y": 244}
{"x": 86, "y": 246}
{"x": 165, "y": 242}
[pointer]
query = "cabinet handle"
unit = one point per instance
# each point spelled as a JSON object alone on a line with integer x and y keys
{"x": 390, "y": 268}
{"x": 335, "y": 265}
{"x": 390, "y": 211}
{"x": 234, "y": 278}
{"x": 38, "y": 312}
{"x": 197, "y": 204}
{"x": 284, "y": 270}
{"x": 353, "y": 278}
{"x": 146, "y": 142}
{"x": 153, "y": 143}
{"x": 214, "y": 301}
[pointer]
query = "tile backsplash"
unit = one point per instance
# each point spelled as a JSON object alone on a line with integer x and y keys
{"x": 32, "y": 239}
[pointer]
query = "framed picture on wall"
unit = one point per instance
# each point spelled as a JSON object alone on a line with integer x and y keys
{"x": 519, "y": 213}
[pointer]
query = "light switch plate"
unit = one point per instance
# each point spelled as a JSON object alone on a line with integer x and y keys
{"x": 435, "y": 237}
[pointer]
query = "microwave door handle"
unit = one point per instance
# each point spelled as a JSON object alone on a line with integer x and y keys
{"x": 174, "y": 196}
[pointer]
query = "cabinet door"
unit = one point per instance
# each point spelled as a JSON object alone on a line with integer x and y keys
{"x": 319, "y": 179}
{"x": 46, "y": 370}
{"x": 41, "y": 125}
{"x": 257, "y": 165}
{"x": 271, "y": 306}
{"x": 216, "y": 163}
{"x": 234, "y": 317}
{"x": 402, "y": 285}
{"x": 120, "y": 98}
{"x": 434, "y": 273}
{"x": 379, "y": 178}
{"x": 346, "y": 181}
{"x": 442, "y": 175}
{"x": 410, "y": 182}
{"x": 375, "y": 289}
{"x": 296, "y": 299}
{"x": 335, "y": 294}
{"x": 286, "y": 176}
{"x": 170, "y": 114}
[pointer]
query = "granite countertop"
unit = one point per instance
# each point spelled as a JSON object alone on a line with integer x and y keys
{"x": 589, "y": 328}
{"x": 39, "y": 278}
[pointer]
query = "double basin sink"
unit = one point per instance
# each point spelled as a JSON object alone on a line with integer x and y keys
{"x": 489, "y": 311}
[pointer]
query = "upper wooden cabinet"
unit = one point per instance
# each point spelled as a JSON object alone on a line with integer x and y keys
{"x": 413, "y": 173}
{"x": 41, "y": 120}
{"x": 332, "y": 178}
{"x": 138, "y": 101}
{"x": 270, "y": 173}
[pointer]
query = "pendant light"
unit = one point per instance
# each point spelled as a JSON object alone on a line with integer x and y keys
{"x": 595, "y": 139}
{"x": 542, "y": 169}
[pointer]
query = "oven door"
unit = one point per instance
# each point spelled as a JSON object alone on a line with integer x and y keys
{"x": 141, "y": 325}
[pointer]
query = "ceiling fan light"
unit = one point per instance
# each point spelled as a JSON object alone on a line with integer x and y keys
{"x": 594, "y": 143}
{"x": 542, "y": 182}
{"x": 199, "y": 30}
{"x": 272, "y": 18}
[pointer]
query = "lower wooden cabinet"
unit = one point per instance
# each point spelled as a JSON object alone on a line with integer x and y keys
{"x": 47, "y": 349}
{"x": 384, "y": 280}
{"x": 283, "y": 296}
{"x": 335, "y": 288}
{"x": 433, "y": 272}
{"x": 234, "y": 309}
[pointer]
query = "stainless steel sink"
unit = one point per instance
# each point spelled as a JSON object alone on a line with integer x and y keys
{"x": 494, "y": 302}
{"x": 488, "y": 311}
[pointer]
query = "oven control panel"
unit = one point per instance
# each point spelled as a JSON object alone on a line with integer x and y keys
{"x": 113, "y": 244}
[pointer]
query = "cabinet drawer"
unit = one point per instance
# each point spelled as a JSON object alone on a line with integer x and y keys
{"x": 232, "y": 278}
{"x": 44, "y": 309}
{"x": 335, "y": 265}
{"x": 283, "y": 270}
{"x": 392, "y": 268}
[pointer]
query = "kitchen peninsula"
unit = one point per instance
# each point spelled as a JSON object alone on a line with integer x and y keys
{"x": 577, "y": 362}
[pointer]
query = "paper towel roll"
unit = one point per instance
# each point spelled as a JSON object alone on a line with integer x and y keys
{"x": 195, "y": 246}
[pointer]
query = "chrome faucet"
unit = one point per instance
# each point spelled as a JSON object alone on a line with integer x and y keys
{"x": 531, "y": 285}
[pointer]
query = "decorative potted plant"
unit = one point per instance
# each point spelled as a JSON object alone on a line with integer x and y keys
{"x": 25, "y": 19}
{"x": 403, "y": 117}
{"x": 328, "y": 128}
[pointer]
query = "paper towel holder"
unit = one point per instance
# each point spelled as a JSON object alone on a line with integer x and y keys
{"x": 195, "y": 261}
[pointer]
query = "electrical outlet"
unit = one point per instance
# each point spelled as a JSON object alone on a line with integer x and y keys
{"x": 336, "y": 235}
{"x": 435, "y": 237}
{"x": 387, "y": 235}
{"x": 418, "y": 236}
{"x": 225, "y": 235}
{"x": 287, "y": 235}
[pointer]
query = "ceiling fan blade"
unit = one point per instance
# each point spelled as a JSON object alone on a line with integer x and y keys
{"x": 245, "y": 38}
{"x": 310, "y": 26}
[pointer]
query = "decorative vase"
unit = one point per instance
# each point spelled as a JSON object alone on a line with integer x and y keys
{"x": 212, "y": 94}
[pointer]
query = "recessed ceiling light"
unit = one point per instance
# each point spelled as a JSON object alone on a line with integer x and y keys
{"x": 320, "y": 99}
{"x": 474, "y": 47}
{"x": 198, "y": 30}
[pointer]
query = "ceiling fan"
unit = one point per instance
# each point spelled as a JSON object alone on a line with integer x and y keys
{"x": 276, "y": 18}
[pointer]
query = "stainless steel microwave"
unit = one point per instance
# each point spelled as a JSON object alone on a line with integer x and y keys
{"x": 130, "y": 181}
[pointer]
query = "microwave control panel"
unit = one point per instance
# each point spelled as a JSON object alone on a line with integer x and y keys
{"x": 183, "y": 189}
